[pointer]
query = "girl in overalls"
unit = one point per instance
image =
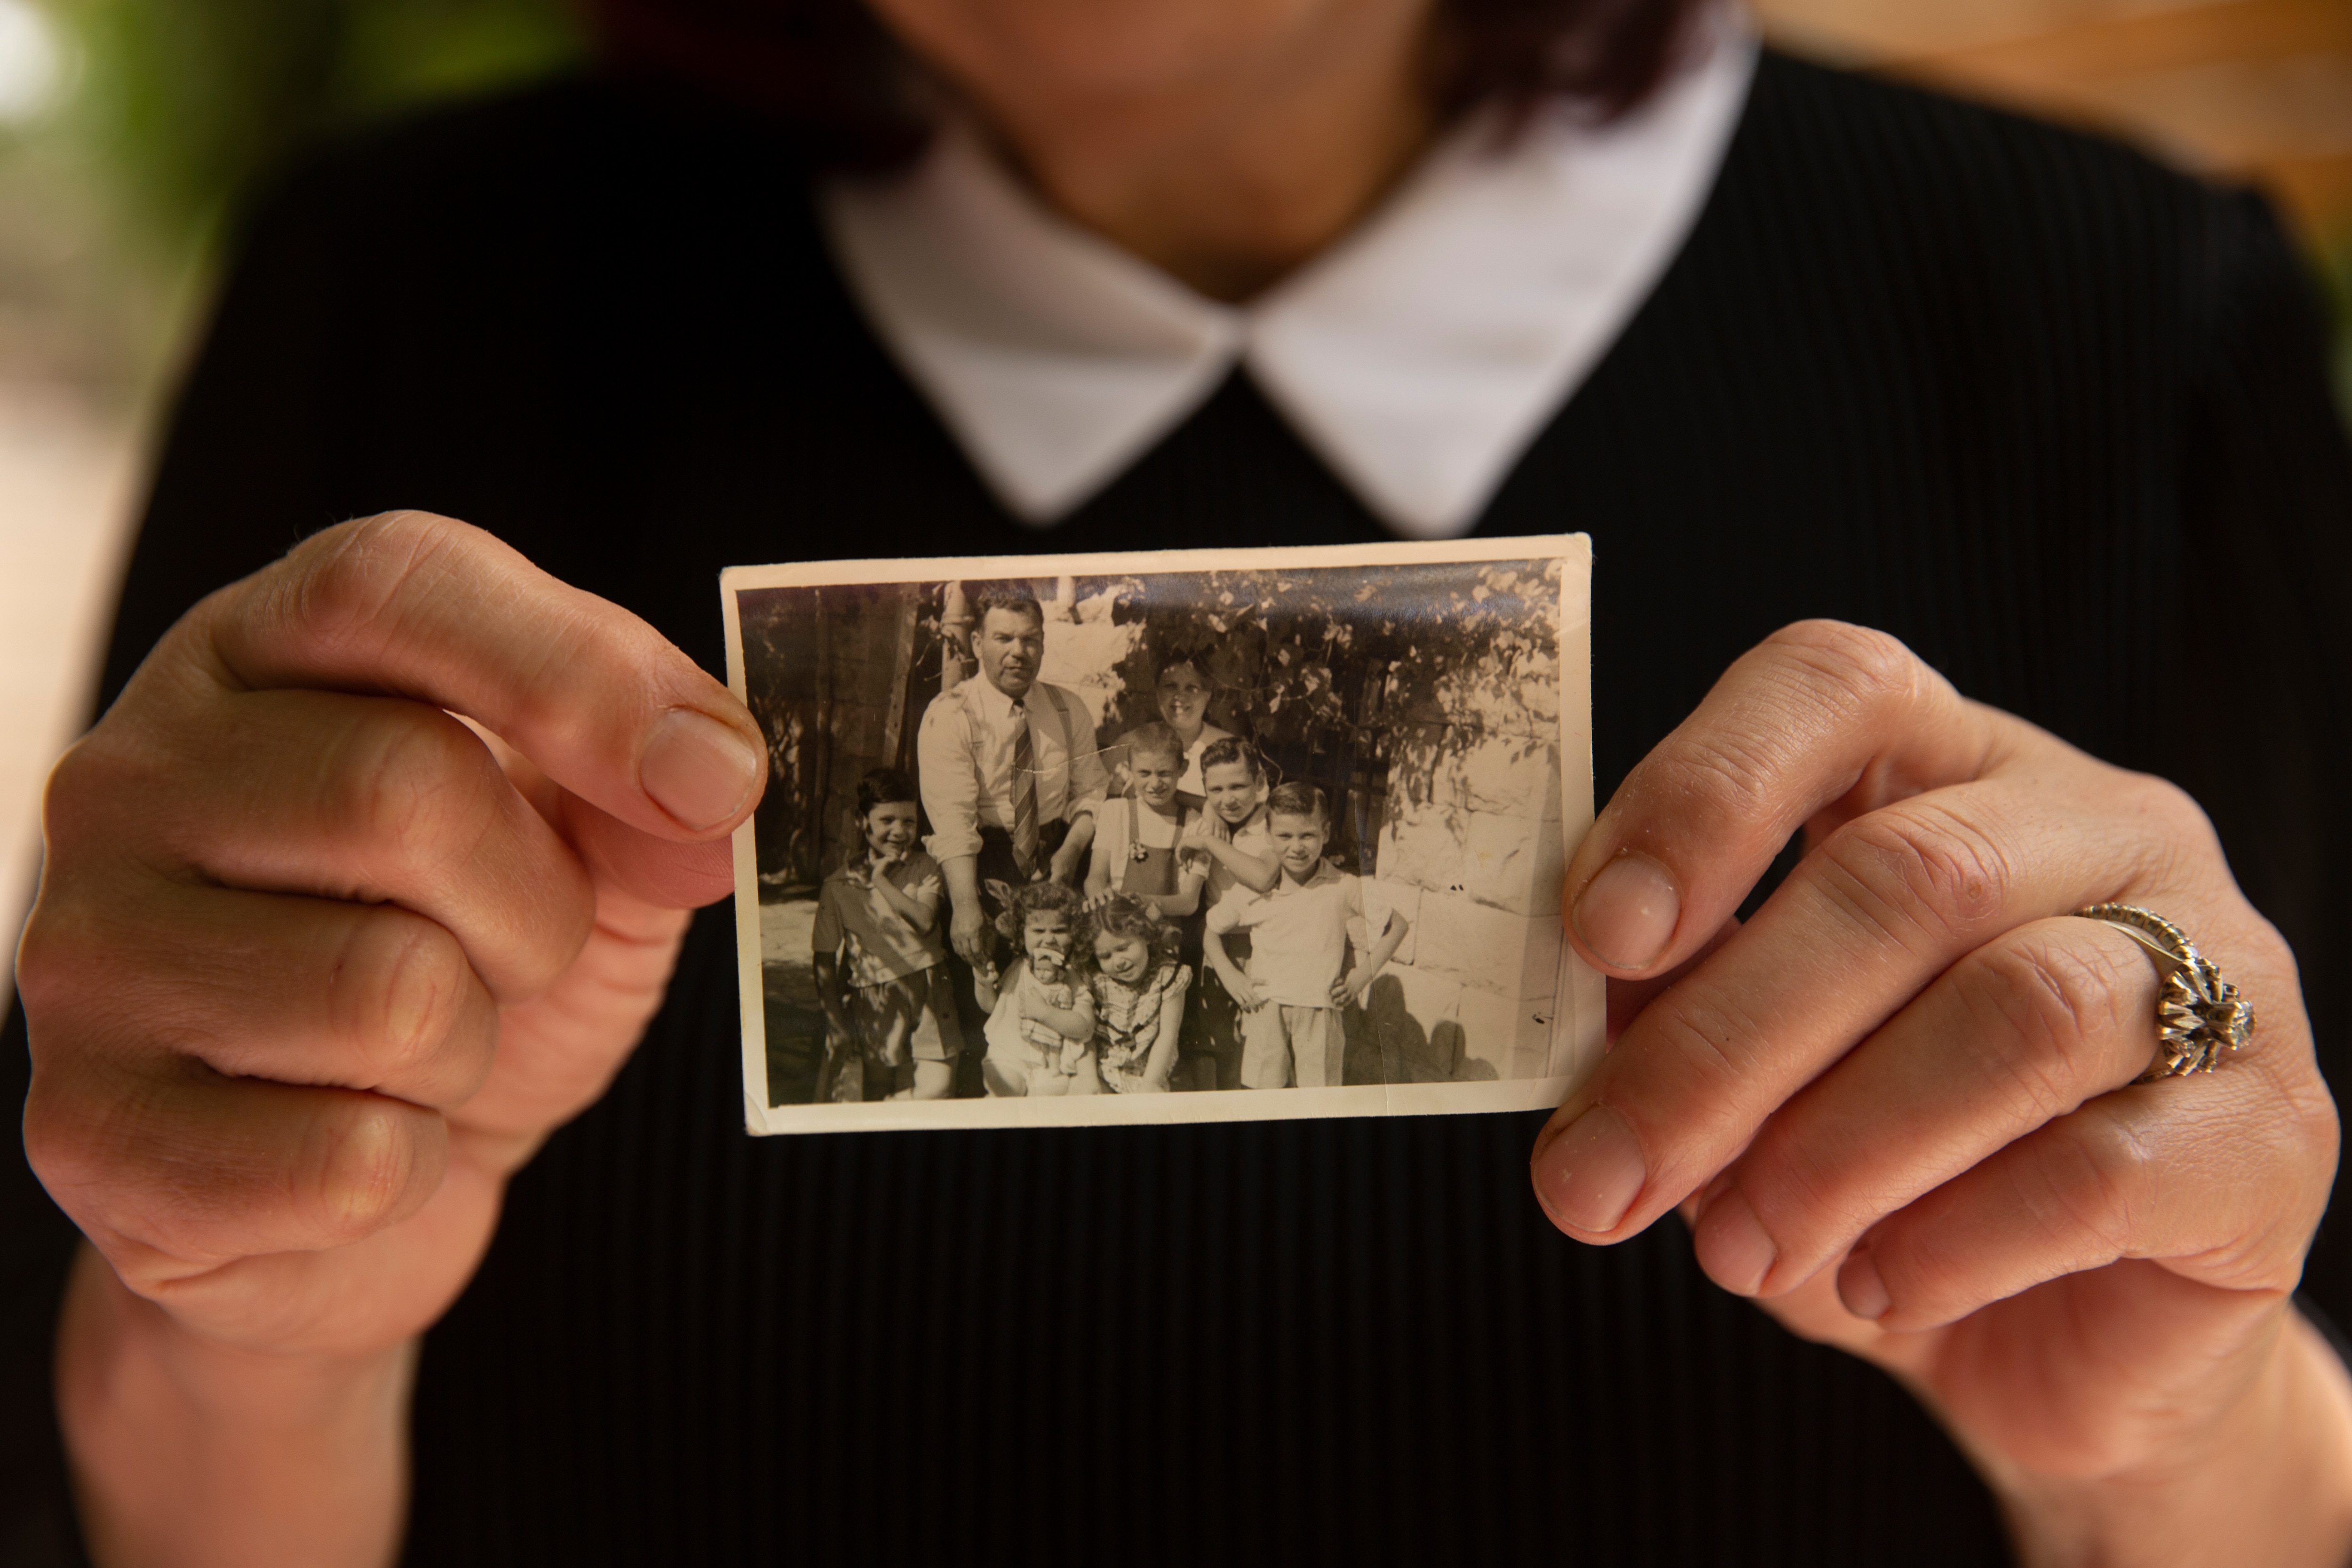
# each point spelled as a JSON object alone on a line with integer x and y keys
{"x": 1139, "y": 839}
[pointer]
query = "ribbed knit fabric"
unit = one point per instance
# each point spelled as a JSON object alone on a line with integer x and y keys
{"x": 2054, "y": 416}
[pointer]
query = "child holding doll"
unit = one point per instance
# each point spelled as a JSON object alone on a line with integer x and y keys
{"x": 1041, "y": 1021}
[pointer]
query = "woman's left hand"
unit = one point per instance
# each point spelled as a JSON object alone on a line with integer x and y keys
{"x": 1899, "y": 1105}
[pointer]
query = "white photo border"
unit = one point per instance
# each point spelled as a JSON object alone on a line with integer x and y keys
{"x": 1578, "y": 1025}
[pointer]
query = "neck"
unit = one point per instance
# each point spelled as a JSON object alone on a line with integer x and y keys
{"x": 1229, "y": 180}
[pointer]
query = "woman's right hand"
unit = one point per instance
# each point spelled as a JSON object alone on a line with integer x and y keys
{"x": 315, "y": 967}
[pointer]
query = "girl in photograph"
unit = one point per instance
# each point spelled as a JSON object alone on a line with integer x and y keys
{"x": 1229, "y": 842}
{"x": 881, "y": 968}
{"x": 1139, "y": 846}
{"x": 1041, "y": 1021}
{"x": 1138, "y": 982}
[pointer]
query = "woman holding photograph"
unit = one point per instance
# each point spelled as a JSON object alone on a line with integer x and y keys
{"x": 1971, "y": 520}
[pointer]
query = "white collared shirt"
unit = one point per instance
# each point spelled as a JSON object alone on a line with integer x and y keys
{"x": 1299, "y": 933}
{"x": 1418, "y": 357}
{"x": 964, "y": 750}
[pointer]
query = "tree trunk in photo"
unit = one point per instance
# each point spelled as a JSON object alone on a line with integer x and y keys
{"x": 956, "y": 656}
{"x": 896, "y": 731}
{"x": 820, "y": 769}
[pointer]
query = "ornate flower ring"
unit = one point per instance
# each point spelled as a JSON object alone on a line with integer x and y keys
{"x": 2199, "y": 1014}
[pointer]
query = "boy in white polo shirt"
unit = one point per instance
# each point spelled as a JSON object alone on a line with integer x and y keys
{"x": 1298, "y": 982}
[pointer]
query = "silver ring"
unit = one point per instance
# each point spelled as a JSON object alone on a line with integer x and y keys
{"x": 2198, "y": 1016}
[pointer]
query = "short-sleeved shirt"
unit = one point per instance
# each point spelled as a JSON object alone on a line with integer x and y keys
{"x": 882, "y": 945}
{"x": 1252, "y": 837}
{"x": 1298, "y": 933}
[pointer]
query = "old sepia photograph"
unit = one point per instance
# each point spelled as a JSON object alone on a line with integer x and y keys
{"x": 1164, "y": 836}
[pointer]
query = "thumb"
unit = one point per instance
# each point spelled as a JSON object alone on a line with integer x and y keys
{"x": 654, "y": 870}
{"x": 658, "y": 870}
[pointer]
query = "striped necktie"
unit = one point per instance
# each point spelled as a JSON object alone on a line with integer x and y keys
{"x": 1024, "y": 792}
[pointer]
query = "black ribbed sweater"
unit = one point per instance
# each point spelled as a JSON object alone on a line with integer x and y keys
{"x": 2054, "y": 416}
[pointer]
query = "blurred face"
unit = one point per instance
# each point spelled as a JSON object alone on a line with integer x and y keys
{"x": 1224, "y": 140}
{"x": 1123, "y": 958}
{"x": 1010, "y": 645}
{"x": 1155, "y": 778}
{"x": 1232, "y": 790}
{"x": 890, "y": 828}
{"x": 1045, "y": 936}
{"x": 1299, "y": 841}
{"x": 1183, "y": 700}
{"x": 1049, "y": 51}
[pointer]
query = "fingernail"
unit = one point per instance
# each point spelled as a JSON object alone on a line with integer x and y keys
{"x": 1861, "y": 1288}
{"x": 696, "y": 769}
{"x": 1732, "y": 1244}
{"x": 1627, "y": 914}
{"x": 1589, "y": 1175}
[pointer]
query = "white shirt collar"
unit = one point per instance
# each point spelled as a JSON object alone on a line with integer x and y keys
{"x": 1057, "y": 360}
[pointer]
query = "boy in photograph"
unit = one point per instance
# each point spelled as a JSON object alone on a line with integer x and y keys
{"x": 1230, "y": 839}
{"x": 1297, "y": 985}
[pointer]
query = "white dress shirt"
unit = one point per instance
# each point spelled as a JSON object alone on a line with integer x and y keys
{"x": 965, "y": 749}
{"x": 1419, "y": 356}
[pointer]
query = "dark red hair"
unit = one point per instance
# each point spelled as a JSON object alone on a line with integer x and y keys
{"x": 830, "y": 69}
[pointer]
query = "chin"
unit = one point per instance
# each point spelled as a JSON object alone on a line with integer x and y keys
{"x": 1085, "y": 48}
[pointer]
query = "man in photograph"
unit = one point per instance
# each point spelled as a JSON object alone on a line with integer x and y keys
{"x": 1010, "y": 775}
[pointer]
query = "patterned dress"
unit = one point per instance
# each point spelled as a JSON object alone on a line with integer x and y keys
{"x": 1127, "y": 1023}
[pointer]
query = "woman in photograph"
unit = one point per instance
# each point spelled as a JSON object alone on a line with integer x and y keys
{"x": 1970, "y": 512}
{"x": 1182, "y": 684}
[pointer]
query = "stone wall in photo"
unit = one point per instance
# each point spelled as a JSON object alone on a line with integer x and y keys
{"x": 1472, "y": 864}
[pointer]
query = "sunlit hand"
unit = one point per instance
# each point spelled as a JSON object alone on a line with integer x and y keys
{"x": 1898, "y": 1105}
{"x": 315, "y": 967}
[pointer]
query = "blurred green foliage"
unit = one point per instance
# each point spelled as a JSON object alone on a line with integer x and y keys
{"x": 186, "y": 102}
